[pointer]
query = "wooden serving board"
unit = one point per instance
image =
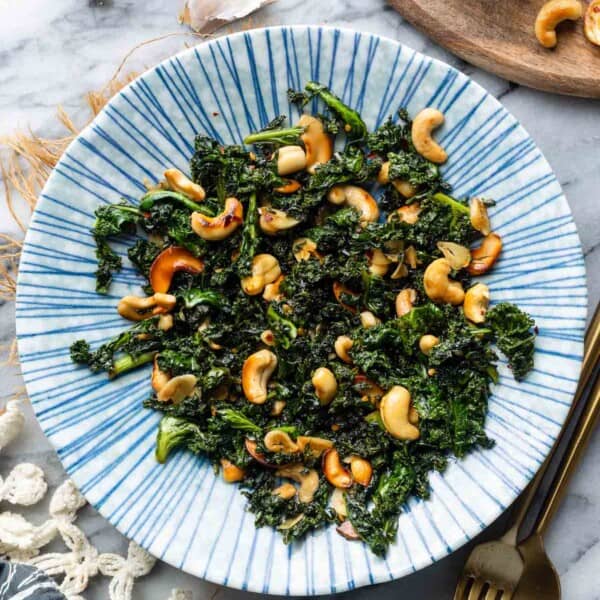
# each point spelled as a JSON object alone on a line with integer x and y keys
{"x": 497, "y": 35}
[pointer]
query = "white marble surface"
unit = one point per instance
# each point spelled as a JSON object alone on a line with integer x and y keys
{"x": 53, "y": 52}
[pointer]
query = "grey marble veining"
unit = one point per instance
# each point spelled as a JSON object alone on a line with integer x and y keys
{"x": 53, "y": 52}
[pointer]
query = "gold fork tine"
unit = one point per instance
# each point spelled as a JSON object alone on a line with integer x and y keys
{"x": 476, "y": 589}
{"x": 461, "y": 589}
{"x": 492, "y": 594}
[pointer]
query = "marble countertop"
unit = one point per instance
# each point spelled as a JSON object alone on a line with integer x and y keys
{"x": 54, "y": 52}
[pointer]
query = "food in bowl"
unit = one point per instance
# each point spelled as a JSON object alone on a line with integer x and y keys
{"x": 311, "y": 316}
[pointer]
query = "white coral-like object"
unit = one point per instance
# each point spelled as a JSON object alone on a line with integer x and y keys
{"x": 206, "y": 16}
{"x": 66, "y": 501}
{"x": 25, "y": 485}
{"x": 11, "y": 422}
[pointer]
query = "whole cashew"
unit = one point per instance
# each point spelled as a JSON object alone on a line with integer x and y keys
{"x": 265, "y": 269}
{"x": 342, "y": 345}
{"x": 159, "y": 378}
{"x": 279, "y": 441}
{"x": 404, "y": 188}
{"x": 272, "y": 220}
{"x": 427, "y": 342}
{"x": 550, "y": 15}
{"x": 422, "y": 126}
{"x": 307, "y": 478}
{"x": 438, "y": 285}
{"x": 334, "y": 471}
{"x": 170, "y": 261}
{"x": 181, "y": 183}
{"x": 135, "y": 308}
{"x": 290, "y": 159}
{"x": 394, "y": 410}
{"x": 477, "y": 300}
{"x": 361, "y": 470}
{"x": 404, "y": 301}
{"x": 325, "y": 385}
{"x": 368, "y": 319}
{"x": 231, "y": 473}
{"x": 222, "y": 225}
{"x": 177, "y": 388}
{"x": 484, "y": 257}
{"x": 286, "y": 491}
{"x": 256, "y": 372}
{"x": 318, "y": 144}
{"x": 357, "y": 198}
{"x": 479, "y": 216}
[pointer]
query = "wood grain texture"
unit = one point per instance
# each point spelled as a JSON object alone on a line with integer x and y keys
{"x": 498, "y": 35}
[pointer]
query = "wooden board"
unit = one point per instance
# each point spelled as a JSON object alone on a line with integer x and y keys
{"x": 497, "y": 35}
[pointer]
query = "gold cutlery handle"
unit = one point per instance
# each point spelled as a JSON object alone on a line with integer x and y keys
{"x": 590, "y": 361}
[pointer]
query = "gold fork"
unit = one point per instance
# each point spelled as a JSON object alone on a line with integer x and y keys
{"x": 494, "y": 569}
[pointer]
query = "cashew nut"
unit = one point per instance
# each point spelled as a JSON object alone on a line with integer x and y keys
{"x": 290, "y": 187}
{"x": 478, "y": 215}
{"x": 165, "y": 322}
{"x": 404, "y": 301}
{"x": 399, "y": 272}
{"x": 325, "y": 385}
{"x": 458, "y": 256}
{"x": 484, "y": 257}
{"x": 357, "y": 198}
{"x": 592, "y": 22}
{"x": 267, "y": 337}
{"x": 272, "y": 290}
{"x": 318, "y": 145}
{"x": 439, "y": 287}
{"x": 394, "y": 410}
{"x": 550, "y": 15}
{"x": 159, "y": 378}
{"x": 339, "y": 290}
{"x": 404, "y": 188}
{"x": 278, "y": 407}
{"x": 177, "y": 388}
{"x": 265, "y": 269}
{"x": 477, "y": 300}
{"x": 316, "y": 445}
{"x": 422, "y": 126}
{"x": 222, "y": 225}
{"x": 286, "y": 491}
{"x": 304, "y": 248}
{"x": 257, "y": 370}
{"x": 279, "y": 441}
{"x": 427, "y": 342}
{"x": 181, "y": 183}
{"x": 342, "y": 345}
{"x": 136, "y": 308}
{"x": 370, "y": 391}
{"x": 361, "y": 470}
{"x": 410, "y": 257}
{"x": 272, "y": 220}
{"x": 290, "y": 159}
{"x": 170, "y": 261}
{"x": 368, "y": 319}
{"x": 379, "y": 263}
{"x": 231, "y": 472}
{"x": 337, "y": 501}
{"x": 334, "y": 470}
{"x": 307, "y": 478}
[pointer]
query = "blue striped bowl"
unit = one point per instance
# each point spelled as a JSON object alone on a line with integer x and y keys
{"x": 181, "y": 512}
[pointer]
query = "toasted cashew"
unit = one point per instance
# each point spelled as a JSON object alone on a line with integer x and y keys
{"x": 411, "y": 258}
{"x": 304, "y": 249}
{"x": 181, "y": 183}
{"x": 550, "y": 15}
{"x": 222, "y": 225}
{"x": 286, "y": 491}
{"x": 256, "y": 372}
{"x": 267, "y": 337}
{"x": 289, "y": 188}
{"x": 159, "y": 378}
{"x": 165, "y": 322}
{"x": 404, "y": 301}
{"x": 405, "y": 188}
{"x": 279, "y": 441}
{"x": 290, "y": 159}
{"x": 316, "y": 445}
{"x": 318, "y": 144}
{"x": 334, "y": 471}
{"x": 307, "y": 478}
{"x": 170, "y": 261}
{"x": 458, "y": 256}
{"x": 272, "y": 220}
{"x": 477, "y": 300}
{"x": 423, "y": 125}
{"x": 325, "y": 385}
{"x": 135, "y": 308}
{"x": 361, "y": 470}
{"x": 342, "y": 345}
{"x": 592, "y": 22}
{"x": 479, "y": 216}
{"x": 438, "y": 285}
{"x": 484, "y": 257}
{"x": 368, "y": 319}
{"x": 394, "y": 410}
{"x": 427, "y": 342}
{"x": 272, "y": 290}
{"x": 177, "y": 388}
{"x": 278, "y": 407}
{"x": 265, "y": 269}
{"x": 379, "y": 263}
{"x": 406, "y": 214}
{"x": 357, "y": 198}
{"x": 231, "y": 472}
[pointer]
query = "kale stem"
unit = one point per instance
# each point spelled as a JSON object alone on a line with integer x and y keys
{"x": 290, "y": 135}
{"x": 148, "y": 200}
{"x": 128, "y": 362}
{"x": 451, "y": 202}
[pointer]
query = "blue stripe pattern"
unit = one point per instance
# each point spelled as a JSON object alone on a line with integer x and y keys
{"x": 226, "y": 88}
